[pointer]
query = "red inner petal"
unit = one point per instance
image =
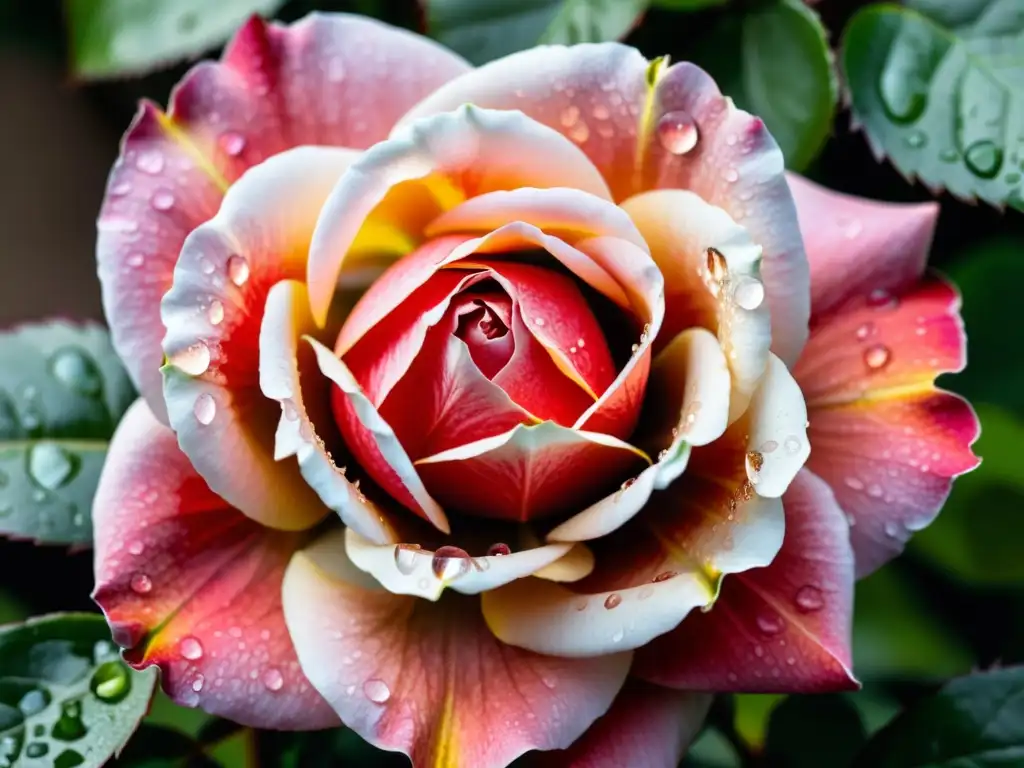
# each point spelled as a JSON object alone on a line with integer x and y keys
{"x": 482, "y": 322}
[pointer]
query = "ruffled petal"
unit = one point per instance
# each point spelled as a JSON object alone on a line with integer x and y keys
{"x": 428, "y": 679}
{"x": 194, "y": 586}
{"x": 856, "y": 246}
{"x": 648, "y": 126}
{"x": 213, "y": 313}
{"x": 783, "y": 628}
{"x": 174, "y": 168}
{"x": 464, "y": 153}
{"x": 885, "y": 438}
{"x": 528, "y": 472}
{"x": 647, "y": 727}
{"x": 289, "y": 375}
{"x": 712, "y": 280}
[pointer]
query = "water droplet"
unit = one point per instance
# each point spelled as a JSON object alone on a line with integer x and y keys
{"x": 215, "y": 312}
{"x": 877, "y": 356}
{"x": 865, "y": 330}
{"x": 677, "y": 132}
{"x": 162, "y": 201}
{"x": 854, "y": 483}
{"x": 206, "y": 266}
{"x": 69, "y": 727}
{"x": 984, "y": 159}
{"x": 78, "y": 372}
{"x": 377, "y": 691}
{"x": 891, "y": 529}
{"x": 36, "y": 750}
{"x": 406, "y": 556}
{"x": 809, "y": 599}
{"x": 949, "y": 155}
{"x": 903, "y": 86}
{"x": 190, "y": 648}
{"x": 716, "y": 265}
{"x": 273, "y": 680}
{"x": 580, "y": 132}
{"x": 498, "y": 550}
{"x": 141, "y": 584}
{"x": 34, "y": 702}
{"x": 880, "y": 297}
{"x": 768, "y": 446}
{"x": 664, "y": 576}
{"x": 111, "y": 682}
{"x": 792, "y": 445}
{"x": 198, "y": 683}
{"x": 731, "y": 175}
{"x": 51, "y": 466}
{"x": 232, "y": 142}
{"x": 193, "y": 359}
{"x": 749, "y": 293}
{"x": 450, "y": 563}
{"x": 754, "y": 461}
{"x": 617, "y": 637}
{"x": 150, "y": 161}
{"x": 770, "y": 623}
{"x": 205, "y": 409}
{"x": 238, "y": 270}
{"x": 614, "y": 600}
{"x": 916, "y": 139}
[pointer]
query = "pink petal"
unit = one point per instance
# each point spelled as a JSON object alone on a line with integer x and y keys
{"x": 782, "y": 628}
{"x": 855, "y": 246}
{"x": 466, "y": 152}
{"x": 174, "y": 168}
{"x": 647, "y": 727}
{"x": 885, "y": 438}
{"x": 213, "y": 314}
{"x": 194, "y": 586}
{"x": 428, "y": 679}
{"x": 528, "y": 472}
{"x": 599, "y": 96}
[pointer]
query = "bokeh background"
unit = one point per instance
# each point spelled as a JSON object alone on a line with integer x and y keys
{"x": 953, "y": 603}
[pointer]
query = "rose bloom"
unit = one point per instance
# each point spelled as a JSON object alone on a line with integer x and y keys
{"x": 478, "y": 405}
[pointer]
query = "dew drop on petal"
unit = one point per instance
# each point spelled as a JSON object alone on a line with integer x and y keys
{"x": 193, "y": 359}
{"x": 677, "y": 132}
{"x": 865, "y": 330}
{"x": 877, "y": 356}
{"x": 792, "y": 444}
{"x": 405, "y": 558}
{"x": 749, "y": 293}
{"x": 162, "y": 201}
{"x": 232, "y": 142}
{"x": 664, "y": 576}
{"x": 204, "y": 409}
{"x": 135, "y": 260}
{"x": 141, "y": 584}
{"x": 150, "y": 161}
{"x": 880, "y": 298}
{"x": 614, "y": 600}
{"x": 273, "y": 680}
{"x": 190, "y": 648}
{"x": 238, "y": 270}
{"x": 770, "y": 623}
{"x": 197, "y": 684}
{"x": 377, "y": 691}
{"x": 809, "y": 599}
{"x": 498, "y": 550}
{"x": 450, "y": 563}
{"x": 617, "y": 637}
{"x": 215, "y": 312}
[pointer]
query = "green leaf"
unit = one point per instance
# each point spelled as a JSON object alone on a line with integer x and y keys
{"x": 775, "y": 62}
{"x": 940, "y": 90}
{"x": 111, "y": 38}
{"x": 973, "y": 721}
{"x": 66, "y": 698}
{"x": 711, "y": 749}
{"x": 812, "y": 731}
{"x": 62, "y": 392}
{"x": 482, "y": 30}
{"x": 687, "y": 5}
{"x": 751, "y": 714}
{"x": 977, "y": 537}
{"x": 895, "y": 635}
{"x": 154, "y": 746}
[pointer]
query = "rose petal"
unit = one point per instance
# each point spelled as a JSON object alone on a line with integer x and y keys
{"x": 469, "y": 151}
{"x": 632, "y": 118}
{"x": 415, "y": 571}
{"x": 855, "y": 246}
{"x": 174, "y": 168}
{"x": 194, "y": 586}
{"x": 885, "y": 438}
{"x": 527, "y": 472}
{"x": 374, "y": 443}
{"x": 647, "y": 726}
{"x": 428, "y": 679}
{"x": 285, "y": 321}
{"x": 783, "y": 628}
{"x": 720, "y": 290}
{"x": 212, "y": 314}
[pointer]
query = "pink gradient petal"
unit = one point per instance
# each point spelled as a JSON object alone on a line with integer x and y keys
{"x": 855, "y": 246}
{"x": 647, "y": 727}
{"x": 194, "y": 586}
{"x": 528, "y": 472}
{"x": 782, "y": 628}
{"x": 213, "y": 314}
{"x": 277, "y": 87}
{"x": 428, "y": 679}
{"x": 599, "y": 96}
{"x": 885, "y": 438}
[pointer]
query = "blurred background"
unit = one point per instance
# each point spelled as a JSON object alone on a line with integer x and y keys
{"x": 953, "y": 603}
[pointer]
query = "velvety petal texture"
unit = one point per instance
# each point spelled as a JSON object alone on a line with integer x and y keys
{"x": 194, "y": 586}
{"x": 324, "y": 73}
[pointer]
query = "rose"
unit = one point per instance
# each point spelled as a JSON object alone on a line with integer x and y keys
{"x": 564, "y": 398}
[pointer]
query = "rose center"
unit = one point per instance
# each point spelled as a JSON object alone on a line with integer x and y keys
{"x": 482, "y": 322}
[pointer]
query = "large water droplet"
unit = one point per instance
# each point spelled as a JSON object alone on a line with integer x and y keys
{"x": 111, "y": 682}
{"x": 614, "y": 600}
{"x": 190, "y": 648}
{"x": 984, "y": 159}
{"x": 51, "y": 466}
{"x": 770, "y": 623}
{"x": 141, "y": 584}
{"x": 377, "y": 691}
{"x": 205, "y": 409}
{"x": 162, "y": 201}
{"x": 877, "y": 356}
{"x": 273, "y": 680}
{"x": 809, "y": 599}
{"x": 677, "y": 132}
{"x": 33, "y": 702}
{"x": 69, "y": 727}
{"x": 498, "y": 550}
{"x": 193, "y": 359}
{"x": 749, "y": 293}
{"x": 215, "y": 312}
{"x": 150, "y": 161}
{"x": 76, "y": 371}
{"x": 238, "y": 270}
{"x": 406, "y": 556}
{"x": 450, "y": 563}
